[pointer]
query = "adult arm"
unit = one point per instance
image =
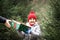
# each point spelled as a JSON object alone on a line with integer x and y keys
{"x": 2, "y": 19}
{"x": 5, "y": 21}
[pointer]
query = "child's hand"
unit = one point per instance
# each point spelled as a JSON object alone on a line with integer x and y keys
{"x": 7, "y": 23}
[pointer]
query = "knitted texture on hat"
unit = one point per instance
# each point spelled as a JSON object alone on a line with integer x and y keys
{"x": 32, "y": 15}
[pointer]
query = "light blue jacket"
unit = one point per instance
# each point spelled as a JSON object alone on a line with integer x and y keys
{"x": 35, "y": 29}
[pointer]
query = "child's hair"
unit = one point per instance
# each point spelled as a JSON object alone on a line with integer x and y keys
{"x": 32, "y": 15}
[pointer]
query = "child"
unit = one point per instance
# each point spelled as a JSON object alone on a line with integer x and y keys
{"x": 35, "y": 30}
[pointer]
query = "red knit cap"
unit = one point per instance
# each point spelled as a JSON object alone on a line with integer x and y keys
{"x": 31, "y": 15}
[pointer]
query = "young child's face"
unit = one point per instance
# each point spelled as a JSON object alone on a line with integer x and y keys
{"x": 32, "y": 21}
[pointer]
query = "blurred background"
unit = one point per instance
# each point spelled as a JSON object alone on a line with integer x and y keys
{"x": 47, "y": 11}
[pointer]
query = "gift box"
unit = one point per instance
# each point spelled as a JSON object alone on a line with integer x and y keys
{"x": 19, "y": 26}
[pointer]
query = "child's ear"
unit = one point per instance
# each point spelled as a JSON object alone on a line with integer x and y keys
{"x": 36, "y": 20}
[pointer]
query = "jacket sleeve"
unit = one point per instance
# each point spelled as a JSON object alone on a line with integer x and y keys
{"x": 37, "y": 31}
{"x": 2, "y": 19}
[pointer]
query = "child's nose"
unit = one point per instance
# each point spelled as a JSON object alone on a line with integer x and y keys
{"x": 32, "y": 19}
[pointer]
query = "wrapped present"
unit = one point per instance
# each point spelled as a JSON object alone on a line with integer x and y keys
{"x": 19, "y": 26}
